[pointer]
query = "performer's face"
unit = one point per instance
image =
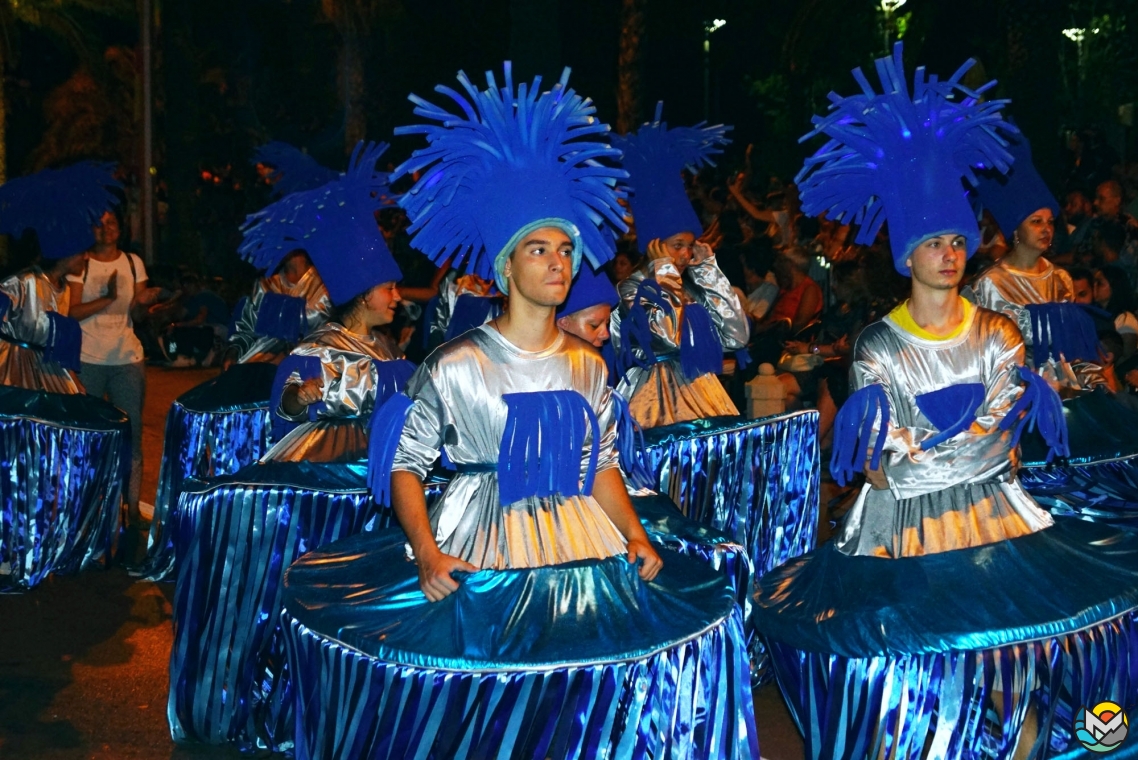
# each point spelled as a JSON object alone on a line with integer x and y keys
{"x": 1037, "y": 231}
{"x": 381, "y": 302}
{"x": 541, "y": 267}
{"x": 679, "y": 247}
{"x": 938, "y": 262}
{"x": 591, "y": 324}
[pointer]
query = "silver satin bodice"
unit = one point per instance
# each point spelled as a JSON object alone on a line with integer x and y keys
{"x": 962, "y": 492}
{"x": 1008, "y": 291}
{"x": 253, "y": 347}
{"x": 350, "y": 380}
{"x": 33, "y": 295}
{"x": 458, "y": 404}
{"x": 661, "y": 395}
{"x": 450, "y": 289}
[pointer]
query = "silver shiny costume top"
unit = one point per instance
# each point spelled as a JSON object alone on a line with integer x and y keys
{"x": 253, "y": 347}
{"x": 458, "y": 404}
{"x": 450, "y": 289}
{"x": 33, "y": 295}
{"x": 960, "y": 493}
{"x": 339, "y": 434}
{"x": 1008, "y": 291}
{"x": 661, "y": 395}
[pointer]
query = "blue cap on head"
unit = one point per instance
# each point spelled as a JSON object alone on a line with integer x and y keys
{"x": 513, "y": 161}
{"x": 654, "y": 156}
{"x": 1019, "y": 194}
{"x": 335, "y": 224}
{"x": 590, "y": 288}
{"x": 61, "y": 205}
{"x": 293, "y": 169}
{"x": 901, "y": 156}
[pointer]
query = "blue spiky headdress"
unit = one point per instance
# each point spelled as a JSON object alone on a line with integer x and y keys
{"x": 589, "y": 288}
{"x": 654, "y": 157}
{"x": 61, "y": 205}
{"x": 293, "y": 169}
{"x": 335, "y": 224}
{"x": 509, "y": 163}
{"x": 901, "y": 156}
{"x": 1015, "y": 197}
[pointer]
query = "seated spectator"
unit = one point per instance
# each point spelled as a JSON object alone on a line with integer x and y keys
{"x": 761, "y": 287}
{"x": 1110, "y": 351}
{"x": 800, "y": 299}
{"x": 1127, "y": 375}
{"x": 1113, "y": 293}
{"x": 204, "y": 324}
{"x": 623, "y": 264}
{"x": 1083, "y": 281}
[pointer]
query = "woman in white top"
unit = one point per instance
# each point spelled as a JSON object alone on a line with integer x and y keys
{"x": 112, "y": 360}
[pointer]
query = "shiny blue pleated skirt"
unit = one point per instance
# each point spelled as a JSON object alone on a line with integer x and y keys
{"x": 213, "y": 429}
{"x": 580, "y": 660}
{"x": 946, "y": 653}
{"x": 63, "y": 461}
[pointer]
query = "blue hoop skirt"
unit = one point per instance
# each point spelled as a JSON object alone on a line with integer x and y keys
{"x": 581, "y": 659}
{"x": 63, "y": 460}
{"x": 213, "y": 429}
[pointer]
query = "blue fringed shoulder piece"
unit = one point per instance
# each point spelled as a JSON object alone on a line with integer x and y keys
{"x": 511, "y": 157}
{"x": 391, "y": 378}
{"x": 540, "y": 453}
{"x": 952, "y": 410}
{"x": 61, "y": 205}
{"x": 472, "y": 311}
{"x": 898, "y": 154}
{"x": 64, "y": 341}
{"x": 635, "y": 332}
{"x": 307, "y": 367}
{"x": 853, "y": 429}
{"x": 701, "y": 351}
{"x": 283, "y": 317}
{"x": 383, "y": 441}
{"x": 293, "y": 169}
{"x": 5, "y": 305}
{"x": 630, "y": 445}
{"x": 1062, "y": 331}
{"x": 1040, "y": 407}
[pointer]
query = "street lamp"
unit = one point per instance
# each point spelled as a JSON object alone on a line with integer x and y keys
{"x": 708, "y": 28}
{"x": 889, "y": 7}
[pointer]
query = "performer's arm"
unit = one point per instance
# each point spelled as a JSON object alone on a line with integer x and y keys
{"x": 610, "y": 493}
{"x": 711, "y": 288}
{"x": 435, "y": 568}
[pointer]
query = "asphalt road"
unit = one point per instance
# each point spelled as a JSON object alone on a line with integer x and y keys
{"x": 83, "y": 659}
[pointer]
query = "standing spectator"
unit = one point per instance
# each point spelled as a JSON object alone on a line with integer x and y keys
{"x": 1116, "y": 228}
{"x": 1112, "y": 293}
{"x": 112, "y": 365}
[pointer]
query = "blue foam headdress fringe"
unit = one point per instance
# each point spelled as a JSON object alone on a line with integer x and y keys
{"x": 853, "y": 430}
{"x": 61, "y": 205}
{"x": 1062, "y": 329}
{"x": 293, "y": 169}
{"x": 383, "y": 440}
{"x": 952, "y": 410}
{"x": 472, "y": 311}
{"x": 635, "y": 331}
{"x": 335, "y": 224}
{"x": 1041, "y": 408}
{"x": 307, "y": 367}
{"x": 511, "y": 159}
{"x": 540, "y": 454}
{"x": 630, "y": 445}
{"x": 701, "y": 351}
{"x": 654, "y": 157}
{"x": 590, "y": 288}
{"x": 1014, "y": 197}
{"x": 64, "y": 342}
{"x": 901, "y": 155}
{"x": 283, "y": 317}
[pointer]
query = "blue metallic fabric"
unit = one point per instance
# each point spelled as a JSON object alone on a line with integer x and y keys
{"x": 235, "y": 536}
{"x": 574, "y": 660}
{"x": 213, "y": 429}
{"x": 63, "y": 460}
{"x": 1099, "y": 481}
{"x": 869, "y": 650}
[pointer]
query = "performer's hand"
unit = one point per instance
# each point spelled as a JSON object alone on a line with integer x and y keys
{"x": 112, "y": 291}
{"x": 657, "y": 250}
{"x": 435, "y": 570}
{"x": 876, "y": 478}
{"x": 310, "y": 391}
{"x": 651, "y": 563}
{"x": 701, "y": 252}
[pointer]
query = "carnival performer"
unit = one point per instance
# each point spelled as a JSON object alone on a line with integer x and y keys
{"x": 329, "y": 384}
{"x": 515, "y": 190}
{"x": 38, "y": 341}
{"x": 915, "y": 613}
{"x": 678, "y": 311}
{"x": 1023, "y": 281}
